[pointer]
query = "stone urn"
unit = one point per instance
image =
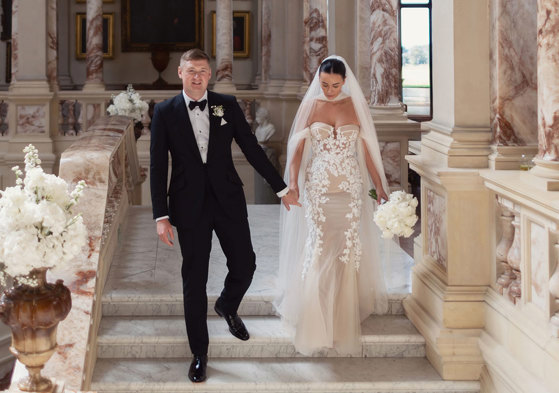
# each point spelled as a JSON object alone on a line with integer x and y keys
{"x": 33, "y": 314}
{"x": 138, "y": 127}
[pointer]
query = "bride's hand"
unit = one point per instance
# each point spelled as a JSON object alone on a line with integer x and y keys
{"x": 291, "y": 198}
{"x": 381, "y": 195}
{"x": 294, "y": 189}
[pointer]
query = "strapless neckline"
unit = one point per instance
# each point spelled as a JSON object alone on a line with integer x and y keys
{"x": 333, "y": 128}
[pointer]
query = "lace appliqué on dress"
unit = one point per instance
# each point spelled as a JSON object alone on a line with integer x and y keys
{"x": 333, "y": 168}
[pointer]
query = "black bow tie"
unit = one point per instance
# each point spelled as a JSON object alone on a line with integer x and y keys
{"x": 194, "y": 104}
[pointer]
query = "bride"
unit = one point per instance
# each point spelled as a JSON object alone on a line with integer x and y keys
{"x": 330, "y": 273}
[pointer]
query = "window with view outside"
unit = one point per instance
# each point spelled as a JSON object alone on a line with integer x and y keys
{"x": 416, "y": 56}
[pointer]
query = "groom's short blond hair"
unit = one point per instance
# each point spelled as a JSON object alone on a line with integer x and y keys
{"x": 194, "y": 54}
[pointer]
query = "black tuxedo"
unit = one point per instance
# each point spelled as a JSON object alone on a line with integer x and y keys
{"x": 206, "y": 197}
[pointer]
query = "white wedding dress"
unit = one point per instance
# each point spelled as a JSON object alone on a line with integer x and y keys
{"x": 332, "y": 199}
{"x": 330, "y": 271}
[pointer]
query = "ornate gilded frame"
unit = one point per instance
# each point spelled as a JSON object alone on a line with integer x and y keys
{"x": 155, "y": 13}
{"x": 244, "y": 18}
{"x": 108, "y": 35}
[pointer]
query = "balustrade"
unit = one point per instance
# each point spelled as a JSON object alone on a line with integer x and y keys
{"x": 527, "y": 251}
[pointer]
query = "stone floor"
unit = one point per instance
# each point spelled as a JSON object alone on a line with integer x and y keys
{"x": 142, "y": 344}
{"x": 145, "y": 266}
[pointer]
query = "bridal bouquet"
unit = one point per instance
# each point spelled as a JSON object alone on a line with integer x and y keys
{"x": 128, "y": 103}
{"x": 37, "y": 226}
{"x": 397, "y": 215}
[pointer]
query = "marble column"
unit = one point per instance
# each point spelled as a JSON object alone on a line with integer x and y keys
{"x": 363, "y": 69}
{"x": 65, "y": 50}
{"x": 266, "y": 43}
{"x": 513, "y": 52}
{"x": 315, "y": 36}
{"x": 460, "y": 132}
{"x": 547, "y": 162}
{"x": 30, "y": 99}
{"x": 14, "y": 60}
{"x": 29, "y": 52}
{"x": 15, "y": 46}
{"x": 384, "y": 47}
{"x": 458, "y": 143}
{"x": 94, "y": 46}
{"x": 224, "y": 46}
{"x": 52, "y": 45}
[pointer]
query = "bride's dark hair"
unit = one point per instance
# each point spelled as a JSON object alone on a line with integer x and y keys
{"x": 333, "y": 66}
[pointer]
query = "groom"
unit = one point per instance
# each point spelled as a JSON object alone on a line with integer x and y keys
{"x": 206, "y": 194}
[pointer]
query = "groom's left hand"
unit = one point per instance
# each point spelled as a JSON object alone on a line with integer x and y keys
{"x": 291, "y": 198}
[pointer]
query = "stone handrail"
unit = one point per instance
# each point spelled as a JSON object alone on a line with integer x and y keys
{"x": 106, "y": 158}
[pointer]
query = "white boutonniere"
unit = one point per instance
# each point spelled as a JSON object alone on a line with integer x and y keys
{"x": 218, "y": 111}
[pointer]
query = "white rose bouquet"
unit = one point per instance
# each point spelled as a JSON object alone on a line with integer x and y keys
{"x": 396, "y": 216}
{"x": 37, "y": 226}
{"x": 128, "y": 103}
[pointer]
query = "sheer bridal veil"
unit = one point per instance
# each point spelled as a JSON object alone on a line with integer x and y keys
{"x": 293, "y": 225}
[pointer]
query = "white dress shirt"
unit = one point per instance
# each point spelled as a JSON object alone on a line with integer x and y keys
{"x": 200, "y": 120}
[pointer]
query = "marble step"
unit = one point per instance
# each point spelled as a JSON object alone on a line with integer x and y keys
{"x": 146, "y": 304}
{"x": 375, "y": 375}
{"x": 165, "y": 337}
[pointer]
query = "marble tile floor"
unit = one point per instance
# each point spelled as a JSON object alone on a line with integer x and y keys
{"x": 148, "y": 270}
{"x": 142, "y": 345}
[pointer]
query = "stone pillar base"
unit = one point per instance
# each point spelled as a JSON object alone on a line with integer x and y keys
{"x": 225, "y": 87}
{"x": 510, "y": 157}
{"x": 93, "y": 87}
{"x": 451, "y": 327}
{"x": 451, "y": 272}
{"x": 31, "y": 119}
{"x": 388, "y": 112}
{"x": 547, "y": 173}
{"x": 456, "y": 147}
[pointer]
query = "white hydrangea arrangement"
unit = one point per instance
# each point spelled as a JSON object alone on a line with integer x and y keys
{"x": 128, "y": 103}
{"x": 397, "y": 216}
{"x": 37, "y": 226}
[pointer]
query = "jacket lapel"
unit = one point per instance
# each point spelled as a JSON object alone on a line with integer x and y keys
{"x": 183, "y": 119}
{"x": 214, "y": 120}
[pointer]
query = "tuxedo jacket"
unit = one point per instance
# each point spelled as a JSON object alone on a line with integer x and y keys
{"x": 171, "y": 131}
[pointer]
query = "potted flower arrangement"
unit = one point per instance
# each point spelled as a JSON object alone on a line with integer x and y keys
{"x": 129, "y": 103}
{"x": 38, "y": 231}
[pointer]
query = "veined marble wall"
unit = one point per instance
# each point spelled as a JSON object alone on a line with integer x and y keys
{"x": 31, "y": 119}
{"x": 315, "y": 36}
{"x": 385, "y": 52}
{"x": 513, "y": 72}
{"x": 548, "y": 80}
{"x": 436, "y": 228}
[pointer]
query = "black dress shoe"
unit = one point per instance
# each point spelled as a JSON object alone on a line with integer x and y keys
{"x": 236, "y": 325}
{"x": 197, "y": 370}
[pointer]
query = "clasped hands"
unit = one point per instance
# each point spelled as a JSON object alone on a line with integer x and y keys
{"x": 291, "y": 198}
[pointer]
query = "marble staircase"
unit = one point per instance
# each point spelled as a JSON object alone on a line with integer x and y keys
{"x": 142, "y": 344}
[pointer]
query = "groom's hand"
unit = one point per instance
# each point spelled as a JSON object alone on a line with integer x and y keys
{"x": 291, "y": 198}
{"x": 165, "y": 231}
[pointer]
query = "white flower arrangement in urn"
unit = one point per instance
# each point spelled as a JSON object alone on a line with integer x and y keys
{"x": 37, "y": 226}
{"x": 129, "y": 103}
{"x": 396, "y": 217}
{"x": 38, "y": 232}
